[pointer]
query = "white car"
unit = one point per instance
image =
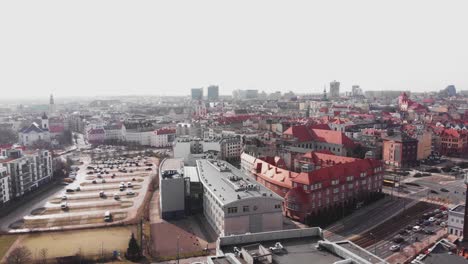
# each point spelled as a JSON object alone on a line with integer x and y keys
{"x": 431, "y": 219}
{"x": 395, "y": 248}
{"x": 443, "y": 224}
{"x": 64, "y": 197}
{"x": 130, "y": 193}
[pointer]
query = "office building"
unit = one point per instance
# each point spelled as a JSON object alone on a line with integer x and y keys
{"x": 172, "y": 189}
{"x": 334, "y": 89}
{"x": 197, "y": 93}
{"x": 233, "y": 203}
{"x": 455, "y": 221}
{"x": 213, "y": 92}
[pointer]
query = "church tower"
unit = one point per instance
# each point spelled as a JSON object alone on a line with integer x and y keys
{"x": 51, "y": 105}
{"x": 44, "y": 122}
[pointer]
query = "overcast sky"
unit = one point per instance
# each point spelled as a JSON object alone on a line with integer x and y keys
{"x": 167, "y": 47}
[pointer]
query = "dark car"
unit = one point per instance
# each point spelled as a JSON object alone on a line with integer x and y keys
{"x": 434, "y": 192}
{"x": 409, "y": 227}
{"x": 70, "y": 190}
{"x": 444, "y": 190}
{"x": 403, "y": 232}
{"x": 148, "y": 169}
{"x": 428, "y": 232}
{"x": 398, "y": 239}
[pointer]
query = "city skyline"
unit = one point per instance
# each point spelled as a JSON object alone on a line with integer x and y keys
{"x": 160, "y": 49}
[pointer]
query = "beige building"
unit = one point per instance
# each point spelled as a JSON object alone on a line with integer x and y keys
{"x": 424, "y": 145}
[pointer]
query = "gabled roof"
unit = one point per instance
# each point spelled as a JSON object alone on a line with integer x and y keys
{"x": 34, "y": 127}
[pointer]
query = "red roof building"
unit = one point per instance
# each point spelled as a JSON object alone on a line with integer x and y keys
{"x": 324, "y": 181}
{"x": 307, "y": 138}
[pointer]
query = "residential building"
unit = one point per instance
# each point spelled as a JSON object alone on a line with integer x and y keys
{"x": 163, "y": 137}
{"x": 96, "y": 136}
{"x": 28, "y": 170}
{"x": 213, "y": 93}
{"x": 399, "y": 150}
{"x": 230, "y": 148}
{"x": 234, "y": 204}
{"x": 424, "y": 144}
{"x": 451, "y": 141}
{"x": 115, "y": 132}
{"x": 455, "y": 220}
{"x": 5, "y": 186}
{"x": 183, "y": 129}
{"x": 320, "y": 181}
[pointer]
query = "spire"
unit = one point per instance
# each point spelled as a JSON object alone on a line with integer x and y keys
{"x": 51, "y": 100}
{"x": 324, "y": 92}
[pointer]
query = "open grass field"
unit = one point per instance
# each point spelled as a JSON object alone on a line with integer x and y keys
{"x": 89, "y": 242}
{"x": 5, "y": 243}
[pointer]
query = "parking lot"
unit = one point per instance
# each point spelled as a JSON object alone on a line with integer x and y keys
{"x": 107, "y": 189}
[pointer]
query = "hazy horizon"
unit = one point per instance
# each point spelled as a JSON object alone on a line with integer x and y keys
{"x": 113, "y": 48}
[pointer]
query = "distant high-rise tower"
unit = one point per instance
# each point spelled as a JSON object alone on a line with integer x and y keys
{"x": 51, "y": 104}
{"x": 334, "y": 89}
{"x": 213, "y": 93}
{"x": 356, "y": 91}
{"x": 197, "y": 93}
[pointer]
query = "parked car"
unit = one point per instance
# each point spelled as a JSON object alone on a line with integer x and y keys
{"x": 78, "y": 189}
{"x": 428, "y": 231}
{"x": 107, "y": 216}
{"x": 116, "y": 196}
{"x": 64, "y": 205}
{"x": 443, "y": 224}
{"x": 403, "y": 232}
{"x": 129, "y": 184}
{"x": 70, "y": 190}
{"x": 434, "y": 192}
{"x": 130, "y": 193}
{"x": 94, "y": 181}
{"x": 102, "y": 194}
{"x": 431, "y": 219}
{"x": 395, "y": 248}
{"x": 444, "y": 190}
{"x": 398, "y": 239}
{"x": 416, "y": 228}
{"x": 64, "y": 197}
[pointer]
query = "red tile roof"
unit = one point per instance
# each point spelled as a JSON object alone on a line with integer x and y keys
{"x": 308, "y": 133}
{"x": 165, "y": 131}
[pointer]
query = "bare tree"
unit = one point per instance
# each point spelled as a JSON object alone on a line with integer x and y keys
{"x": 19, "y": 255}
{"x": 43, "y": 256}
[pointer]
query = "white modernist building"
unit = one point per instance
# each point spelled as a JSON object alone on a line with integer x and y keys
{"x": 233, "y": 203}
{"x": 172, "y": 189}
{"x": 455, "y": 220}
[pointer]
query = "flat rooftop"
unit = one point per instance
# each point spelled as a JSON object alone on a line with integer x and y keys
{"x": 353, "y": 248}
{"x": 172, "y": 164}
{"x": 296, "y": 250}
{"x": 228, "y": 183}
{"x": 459, "y": 208}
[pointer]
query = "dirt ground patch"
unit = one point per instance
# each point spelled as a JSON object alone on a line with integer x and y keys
{"x": 5, "y": 243}
{"x": 90, "y": 241}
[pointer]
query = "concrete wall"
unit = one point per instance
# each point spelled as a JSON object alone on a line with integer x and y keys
{"x": 268, "y": 236}
{"x": 172, "y": 197}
